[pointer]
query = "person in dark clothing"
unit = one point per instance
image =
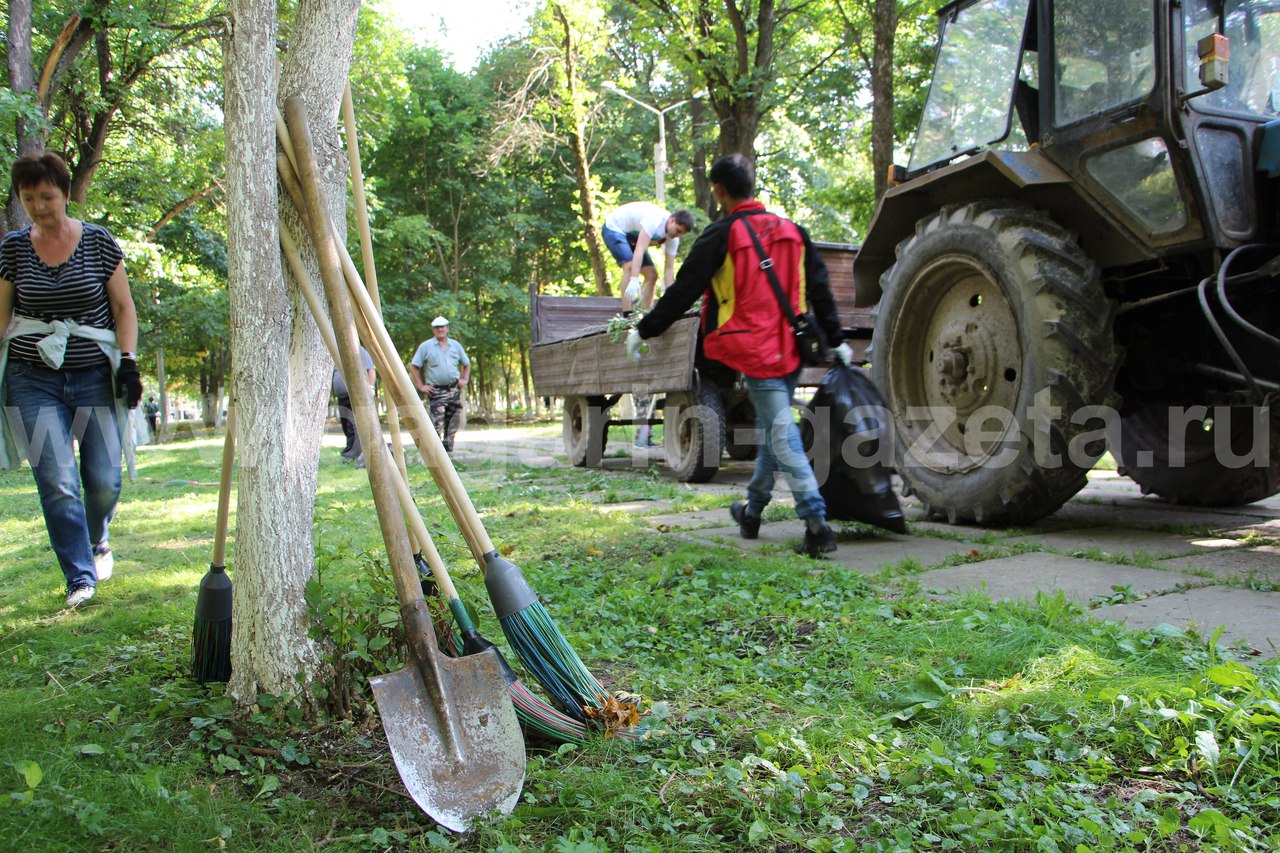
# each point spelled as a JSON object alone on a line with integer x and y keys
{"x": 744, "y": 327}
{"x": 351, "y": 450}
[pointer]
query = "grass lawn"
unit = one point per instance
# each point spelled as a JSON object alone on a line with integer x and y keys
{"x": 791, "y": 704}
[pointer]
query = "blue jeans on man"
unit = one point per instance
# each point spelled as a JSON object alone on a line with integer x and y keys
{"x": 49, "y": 412}
{"x": 780, "y": 450}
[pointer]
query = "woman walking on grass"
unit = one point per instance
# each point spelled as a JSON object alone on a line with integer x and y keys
{"x": 67, "y": 368}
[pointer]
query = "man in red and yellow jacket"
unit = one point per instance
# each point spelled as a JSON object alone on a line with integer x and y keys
{"x": 745, "y": 328}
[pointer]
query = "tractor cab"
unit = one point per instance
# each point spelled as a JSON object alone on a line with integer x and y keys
{"x": 1086, "y": 228}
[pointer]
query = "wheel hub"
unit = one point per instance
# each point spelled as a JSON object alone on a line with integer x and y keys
{"x": 960, "y": 355}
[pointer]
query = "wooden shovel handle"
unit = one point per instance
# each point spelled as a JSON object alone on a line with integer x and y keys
{"x": 320, "y": 228}
{"x": 403, "y": 392}
{"x": 400, "y": 481}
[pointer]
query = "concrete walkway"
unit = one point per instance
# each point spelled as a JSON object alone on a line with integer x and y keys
{"x": 1122, "y": 556}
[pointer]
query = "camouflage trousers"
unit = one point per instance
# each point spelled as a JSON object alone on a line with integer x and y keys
{"x": 445, "y": 407}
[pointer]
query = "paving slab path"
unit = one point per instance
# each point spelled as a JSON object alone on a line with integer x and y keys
{"x": 1122, "y": 556}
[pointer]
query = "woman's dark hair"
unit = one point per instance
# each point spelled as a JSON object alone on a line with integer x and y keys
{"x": 684, "y": 219}
{"x": 735, "y": 173}
{"x": 30, "y": 169}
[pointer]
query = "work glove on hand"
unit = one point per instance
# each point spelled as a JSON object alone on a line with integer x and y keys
{"x": 844, "y": 354}
{"x": 128, "y": 382}
{"x": 634, "y": 290}
{"x": 635, "y": 345}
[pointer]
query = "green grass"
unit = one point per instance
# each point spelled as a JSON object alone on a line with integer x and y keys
{"x": 792, "y": 704}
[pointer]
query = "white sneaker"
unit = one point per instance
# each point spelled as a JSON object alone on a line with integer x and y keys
{"x": 103, "y": 563}
{"x": 79, "y": 596}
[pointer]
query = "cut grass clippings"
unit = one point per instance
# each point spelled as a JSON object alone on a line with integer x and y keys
{"x": 790, "y": 704}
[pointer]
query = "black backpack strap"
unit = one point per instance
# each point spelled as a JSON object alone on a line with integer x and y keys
{"x": 766, "y": 264}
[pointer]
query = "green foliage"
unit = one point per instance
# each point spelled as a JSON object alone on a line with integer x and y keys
{"x": 790, "y": 704}
{"x": 357, "y": 624}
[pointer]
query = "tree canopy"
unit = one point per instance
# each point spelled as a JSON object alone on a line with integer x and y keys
{"x": 482, "y": 183}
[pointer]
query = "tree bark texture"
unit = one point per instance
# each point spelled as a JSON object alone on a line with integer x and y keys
{"x": 22, "y": 81}
{"x": 280, "y": 371}
{"x": 884, "y": 28}
{"x": 581, "y": 163}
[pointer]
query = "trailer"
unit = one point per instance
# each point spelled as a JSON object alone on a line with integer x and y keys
{"x": 704, "y": 409}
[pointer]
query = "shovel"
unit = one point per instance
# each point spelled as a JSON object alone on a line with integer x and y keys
{"x": 452, "y": 730}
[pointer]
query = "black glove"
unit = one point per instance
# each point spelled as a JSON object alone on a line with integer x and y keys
{"x": 128, "y": 382}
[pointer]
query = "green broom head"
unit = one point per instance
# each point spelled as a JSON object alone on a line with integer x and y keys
{"x": 537, "y": 641}
{"x": 211, "y": 636}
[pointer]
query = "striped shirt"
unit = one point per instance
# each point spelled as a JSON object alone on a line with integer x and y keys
{"x": 74, "y": 289}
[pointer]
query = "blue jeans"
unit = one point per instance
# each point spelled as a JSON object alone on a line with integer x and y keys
{"x": 781, "y": 449}
{"x": 48, "y": 410}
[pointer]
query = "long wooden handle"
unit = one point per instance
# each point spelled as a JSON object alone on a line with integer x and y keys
{"x": 366, "y": 254}
{"x": 405, "y": 395}
{"x": 407, "y": 506}
{"x": 394, "y": 533}
{"x": 224, "y": 489}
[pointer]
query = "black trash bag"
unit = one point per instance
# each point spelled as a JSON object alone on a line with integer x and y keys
{"x": 846, "y": 432}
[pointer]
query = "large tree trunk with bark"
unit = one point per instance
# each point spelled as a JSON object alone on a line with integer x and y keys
{"x": 884, "y": 28}
{"x": 280, "y": 371}
{"x": 22, "y": 82}
{"x": 581, "y": 163}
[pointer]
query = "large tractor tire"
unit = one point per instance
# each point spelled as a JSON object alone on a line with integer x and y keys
{"x": 693, "y": 433}
{"x": 992, "y": 333}
{"x": 1179, "y": 458}
{"x": 586, "y": 426}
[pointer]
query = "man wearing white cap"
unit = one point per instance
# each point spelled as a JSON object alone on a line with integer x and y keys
{"x": 440, "y": 368}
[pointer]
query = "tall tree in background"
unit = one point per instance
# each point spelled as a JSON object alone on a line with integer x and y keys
{"x": 742, "y": 52}
{"x": 80, "y": 93}
{"x": 279, "y": 384}
{"x": 575, "y": 106}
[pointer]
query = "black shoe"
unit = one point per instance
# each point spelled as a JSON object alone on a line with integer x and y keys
{"x": 819, "y": 543}
{"x": 748, "y": 524}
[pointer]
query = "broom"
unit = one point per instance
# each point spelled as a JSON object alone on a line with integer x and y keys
{"x": 533, "y": 711}
{"x": 531, "y": 631}
{"x": 211, "y": 634}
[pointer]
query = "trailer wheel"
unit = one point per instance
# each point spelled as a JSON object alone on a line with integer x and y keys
{"x": 740, "y": 423}
{"x": 693, "y": 433}
{"x": 993, "y": 335}
{"x": 586, "y": 425}
{"x": 1185, "y": 465}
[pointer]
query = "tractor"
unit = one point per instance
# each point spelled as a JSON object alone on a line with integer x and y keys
{"x": 1083, "y": 255}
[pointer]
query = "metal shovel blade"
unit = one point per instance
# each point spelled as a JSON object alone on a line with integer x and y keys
{"x": 460, "y": 758}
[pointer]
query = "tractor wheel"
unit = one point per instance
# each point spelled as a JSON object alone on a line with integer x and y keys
{"x": 1178, "y": 457}
{"x": 586, "y": 423}
{"x": 740, "y": 423}
{"x": 693, "y": 433}
{"x": 993, "y": 333}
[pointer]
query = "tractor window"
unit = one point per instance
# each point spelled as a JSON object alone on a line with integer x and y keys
{"x": 1105, "y": 55}
{"x": 971, "y": 96}
{"x": 1141, "y": 178}
{"x": 1253, "y": 76}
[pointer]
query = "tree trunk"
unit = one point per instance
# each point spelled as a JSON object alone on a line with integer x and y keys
{"x": 280, "y": 374}
{"x": 884, "y": 29}
{"x": 22, "y": 82}
{"x": 581, "y": 163}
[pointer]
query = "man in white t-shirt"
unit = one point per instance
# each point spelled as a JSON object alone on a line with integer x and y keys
{"x": 628, "y": 232}
{"x": 440, "y": 369}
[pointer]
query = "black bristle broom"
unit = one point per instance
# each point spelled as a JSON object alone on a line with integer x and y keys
{"x": 211, "y": 635}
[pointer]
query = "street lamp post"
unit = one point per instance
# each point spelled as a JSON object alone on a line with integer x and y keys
{"x": 660, "y": 149}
